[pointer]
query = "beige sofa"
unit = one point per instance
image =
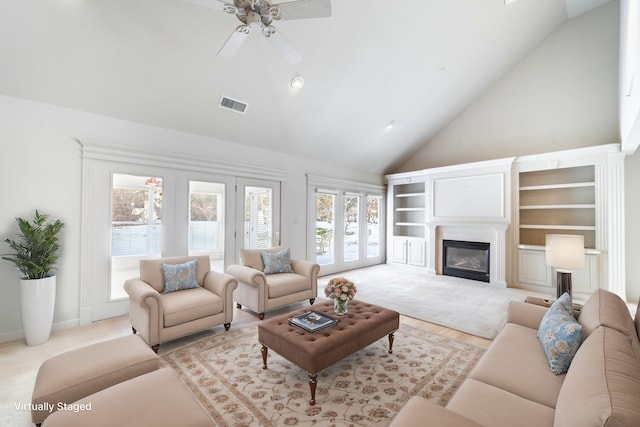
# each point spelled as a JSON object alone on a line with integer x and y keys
{"x": 262, "y": 292}
{"x": 513, "y": 386}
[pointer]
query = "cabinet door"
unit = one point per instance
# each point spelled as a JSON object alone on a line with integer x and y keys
{"x": 416, "y": 252}
{"x": 533, "y": 268}
{"x": 399, "y": 250}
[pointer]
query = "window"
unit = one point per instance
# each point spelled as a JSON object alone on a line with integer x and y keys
{"x": 206, "y": 221}
{"x": 325, "y": 215}
{"x": 351, "y": 227}
{"x": 136, "y": 225}
{"x": 374, "y": 228}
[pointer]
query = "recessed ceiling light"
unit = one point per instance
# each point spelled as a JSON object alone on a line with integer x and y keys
{"x": 297, "y": 82}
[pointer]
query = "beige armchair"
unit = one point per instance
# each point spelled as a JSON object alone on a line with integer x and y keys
{"x": 262, "y": 292}
{"x": 160, "y": 317}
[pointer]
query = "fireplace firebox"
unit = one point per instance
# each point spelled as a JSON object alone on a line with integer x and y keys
{"x": 469, "y": 260}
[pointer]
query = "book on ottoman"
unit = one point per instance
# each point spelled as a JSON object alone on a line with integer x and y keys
{"x": 313, "y": 321}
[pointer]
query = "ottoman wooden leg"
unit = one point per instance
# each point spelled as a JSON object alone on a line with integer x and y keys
{"x": 313, "y": 382}
{"x": 264, "y": 351}
{"x": 391, "y": 337}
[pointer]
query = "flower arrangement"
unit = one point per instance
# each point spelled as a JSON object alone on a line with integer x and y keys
{"x": 340, "y": 288}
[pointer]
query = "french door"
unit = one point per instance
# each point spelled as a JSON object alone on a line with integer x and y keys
{"x": 258, "y": 208}
{"x": 348, "y": 230}
{"x": 152, "y": 213}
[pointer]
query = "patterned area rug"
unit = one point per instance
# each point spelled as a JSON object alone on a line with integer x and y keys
{"x": 225, "y": 373}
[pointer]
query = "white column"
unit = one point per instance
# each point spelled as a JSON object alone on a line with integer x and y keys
{"x": 615, "y": 225}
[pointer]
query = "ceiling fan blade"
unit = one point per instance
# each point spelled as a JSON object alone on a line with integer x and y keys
{"x": 288, "y": 51}
{"x": 234, "y": 41}
{"x": 301, "y": 9}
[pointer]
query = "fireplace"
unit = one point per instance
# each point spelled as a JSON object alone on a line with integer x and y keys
{"x": 469, "y": 260}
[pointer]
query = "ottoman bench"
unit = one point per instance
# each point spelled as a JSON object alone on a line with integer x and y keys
{"x": 362, "y": 325}
{"x": 70, "y": 376}
{"x": 158, "y": 399}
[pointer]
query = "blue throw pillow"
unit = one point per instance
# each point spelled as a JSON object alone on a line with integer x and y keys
{"x": 277, "y": 262}
{"x": 178, "y": 277}
{"x": 560, "y": 335}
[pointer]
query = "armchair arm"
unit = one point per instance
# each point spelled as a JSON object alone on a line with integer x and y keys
{"x": 305, "y": 268}
{"x": 417, "y": 410}
{"x": 145, "y": 306}
{"x": 222, "y": 285}
{"x": 525, "y": 314}
{"x": 247, "y": 275}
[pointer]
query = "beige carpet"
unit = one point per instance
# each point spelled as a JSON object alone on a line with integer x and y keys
{"x": 224, "y": 371}
{"x": 476, "y": 308}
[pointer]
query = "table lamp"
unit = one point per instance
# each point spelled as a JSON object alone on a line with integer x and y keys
{"x": 564, "y": 251}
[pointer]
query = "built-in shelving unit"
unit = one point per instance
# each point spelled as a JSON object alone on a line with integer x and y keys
{"x": 409, "y": 209}
{"x": 558, "y": 201}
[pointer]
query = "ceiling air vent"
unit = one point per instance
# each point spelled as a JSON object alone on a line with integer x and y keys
{"x": 233, "y": 105}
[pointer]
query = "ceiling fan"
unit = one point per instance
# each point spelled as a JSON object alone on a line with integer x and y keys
{"x": 260, "y": 14}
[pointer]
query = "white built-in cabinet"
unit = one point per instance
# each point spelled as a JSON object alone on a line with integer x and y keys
{"x": 570, "y": 192}
{"x": 407, "y": 202}
{"x": 514, "y": 203}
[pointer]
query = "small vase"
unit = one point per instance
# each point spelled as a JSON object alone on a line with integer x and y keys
{"x": 340, "y": 306}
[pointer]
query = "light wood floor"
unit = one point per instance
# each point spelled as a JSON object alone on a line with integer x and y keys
{"x": 19, "y": 363}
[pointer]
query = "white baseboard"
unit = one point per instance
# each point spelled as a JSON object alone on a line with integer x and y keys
{"x": 17, "y": 335}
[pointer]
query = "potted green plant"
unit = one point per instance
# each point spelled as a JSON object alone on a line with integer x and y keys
{"x": 35, "y": 253}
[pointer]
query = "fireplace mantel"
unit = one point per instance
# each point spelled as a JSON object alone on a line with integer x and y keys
{"x": 492, "y": 233}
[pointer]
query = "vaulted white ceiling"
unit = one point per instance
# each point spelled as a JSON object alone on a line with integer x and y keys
{"x": 417, "y": 63}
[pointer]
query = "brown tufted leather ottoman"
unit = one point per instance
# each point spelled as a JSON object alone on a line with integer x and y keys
{"x": 362, "y": 325}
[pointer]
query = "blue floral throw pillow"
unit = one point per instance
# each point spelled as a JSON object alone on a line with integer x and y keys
{"x": 560, "y": 335}
{"x": 277, "y": 262}
{"x": 178, "y": 277}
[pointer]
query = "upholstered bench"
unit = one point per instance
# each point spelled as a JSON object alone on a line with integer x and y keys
{"x": 70, "y": 376}
{"x": 364, "y": 324}
{"x": 158, "y": 399}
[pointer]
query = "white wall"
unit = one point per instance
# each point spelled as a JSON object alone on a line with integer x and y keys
{"x": 562, "y": 95}
{"x": 630, "y": 74}
{"x": 40, "y": 168}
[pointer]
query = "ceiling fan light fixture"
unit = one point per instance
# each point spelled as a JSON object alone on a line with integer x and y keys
{"x": 297, "y": 82}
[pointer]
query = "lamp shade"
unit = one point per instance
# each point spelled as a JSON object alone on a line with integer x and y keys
{"x": 565, "y": 250}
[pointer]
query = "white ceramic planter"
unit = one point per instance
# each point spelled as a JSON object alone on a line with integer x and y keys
{"x": 37, "y": 301}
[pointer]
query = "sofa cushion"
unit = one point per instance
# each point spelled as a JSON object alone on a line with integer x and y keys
{"x": 560, "y": 335}
{"x": 283, "y": 284}
{"x": 604, "y": 308}
{"x": 502, "y": 366}
{"x": 178, "y": 277}
{"x": 191, "y": 304}
{"x": 602, "y": 387}
{"x": 492, "y": 406}
{"x": 276, "y": 262}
